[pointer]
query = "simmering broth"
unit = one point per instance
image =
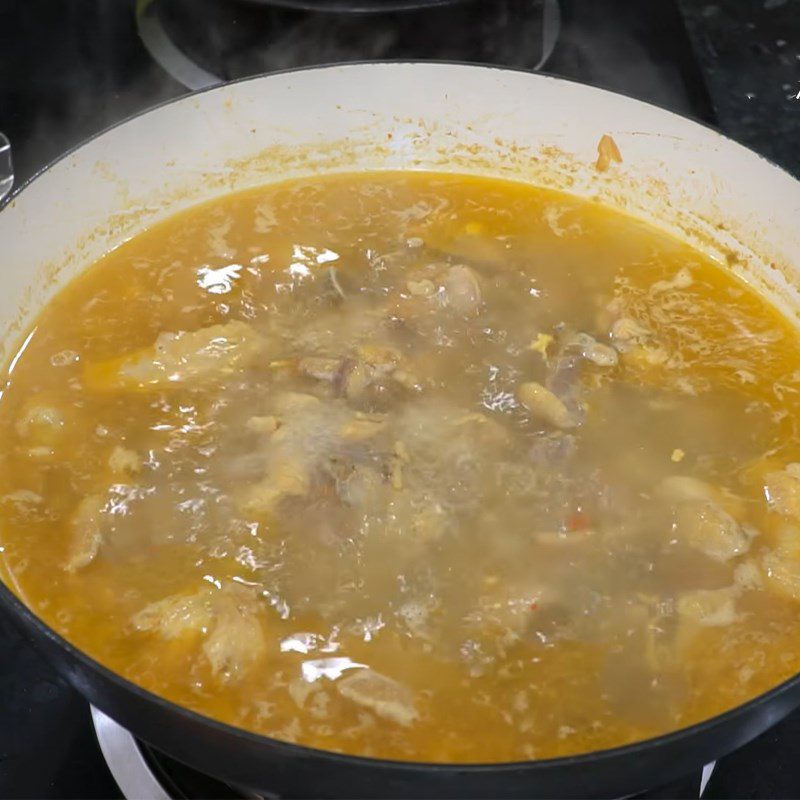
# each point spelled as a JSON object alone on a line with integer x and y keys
{"x": 416, "y": 466}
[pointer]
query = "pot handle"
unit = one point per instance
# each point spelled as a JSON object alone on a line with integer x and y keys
{"x": 6, "y": 167}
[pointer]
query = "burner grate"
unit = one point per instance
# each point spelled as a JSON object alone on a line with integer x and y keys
{"x": 204, "y": 42}
{"x": 143, "y": 773}
{"x": 147, "y": 774}
{"x": 356, "y": 6}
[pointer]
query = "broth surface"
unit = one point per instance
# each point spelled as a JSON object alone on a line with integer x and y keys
{"x": 415, "y": 466}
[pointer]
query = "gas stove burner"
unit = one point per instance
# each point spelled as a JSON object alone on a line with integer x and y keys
{"x": 125, "y": 760}
{"x": 356, "y": 6}
{"x": 204, "y": 42}
{"x": 146, "y": 774}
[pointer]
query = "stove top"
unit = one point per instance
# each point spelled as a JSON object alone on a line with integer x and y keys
{"x": 143, "y": 772}
{"x": 72, "y": 69}
{"x": 202, "y": 42}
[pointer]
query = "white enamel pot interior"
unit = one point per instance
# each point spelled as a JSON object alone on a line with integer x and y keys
{"x": 687, "y": 178}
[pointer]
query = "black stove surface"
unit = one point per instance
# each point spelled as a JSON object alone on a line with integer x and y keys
{"x": 230, "y": 40}
{"x": 73, "y": 67}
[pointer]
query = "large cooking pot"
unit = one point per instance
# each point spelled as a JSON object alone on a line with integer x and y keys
{"x": 693, "y": 181}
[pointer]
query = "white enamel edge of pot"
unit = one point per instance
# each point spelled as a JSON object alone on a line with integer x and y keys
{"x": 389, "y": 116}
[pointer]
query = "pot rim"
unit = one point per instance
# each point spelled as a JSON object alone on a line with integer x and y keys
{"x": 19, "y": 609}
